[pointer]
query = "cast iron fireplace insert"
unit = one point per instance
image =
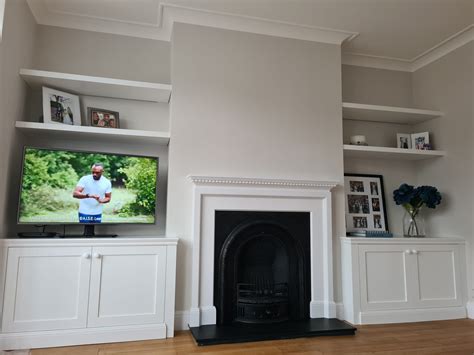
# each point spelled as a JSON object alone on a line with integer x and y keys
{"x": 262, "y": 262}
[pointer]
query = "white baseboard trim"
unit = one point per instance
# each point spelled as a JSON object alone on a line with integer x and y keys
{"x": 470, "y": 309}
{"x": 412, "y": 315}
{"x": 321, "y": 309}
{"x": 181, "y": 320}
{"x": 208, "y": 315}
{"x": 194, "y": 317}
{"x": 378, "y": 317}
{"x": 340, "y": 310}
{"x": 54, "y": 338}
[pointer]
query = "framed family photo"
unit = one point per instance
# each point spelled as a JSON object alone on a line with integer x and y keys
{"x": 61, "y": 107}
{"x": 404, "y": 140}
{"x": 420, "y": 140}
{"x": 99, "y": 117}
{"x": 365, "y": 203}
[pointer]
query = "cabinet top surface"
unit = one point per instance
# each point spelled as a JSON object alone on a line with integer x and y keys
{"x": 125, "y": 240}
{"x": 403, "y": 240}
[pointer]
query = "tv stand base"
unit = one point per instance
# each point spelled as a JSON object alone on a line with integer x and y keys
{"x": 88, "y": 236}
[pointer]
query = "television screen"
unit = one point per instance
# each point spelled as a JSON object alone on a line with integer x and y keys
{"x": 68, "y": 187}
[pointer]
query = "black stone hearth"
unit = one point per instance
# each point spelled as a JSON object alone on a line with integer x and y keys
{"x": 262, "y": 280}
{"x": 240, "y": 333}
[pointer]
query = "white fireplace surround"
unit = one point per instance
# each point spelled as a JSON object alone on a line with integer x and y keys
{"x": 246, "y": 194}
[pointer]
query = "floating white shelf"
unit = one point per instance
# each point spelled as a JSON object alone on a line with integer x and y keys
{"x": 97, "y": 86}
{"x": 85, "y": 132}
{"x": 387, "y": 114}
{"x": 370, "y": 152}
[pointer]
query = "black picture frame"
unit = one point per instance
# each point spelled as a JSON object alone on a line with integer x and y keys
{"x": 365, "y": 207}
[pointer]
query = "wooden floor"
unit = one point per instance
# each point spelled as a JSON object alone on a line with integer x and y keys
{"x": 442, "y": 337}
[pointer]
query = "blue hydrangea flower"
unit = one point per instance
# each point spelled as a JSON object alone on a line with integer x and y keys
{"x": 429, "y": 195}
{"x": 414, "y": 198}
{"x": 404, "y": 194}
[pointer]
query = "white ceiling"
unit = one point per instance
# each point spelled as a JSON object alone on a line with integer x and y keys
{"x": 397, "y": 29}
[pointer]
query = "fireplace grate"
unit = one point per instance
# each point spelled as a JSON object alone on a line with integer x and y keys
{"x": 257, "y": 304}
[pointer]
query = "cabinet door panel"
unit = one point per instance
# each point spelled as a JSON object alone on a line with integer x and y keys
{"x": 127, "y": 285}
{"x": 438, "y": 272}
{"x": 47, "y": 288}
{"x": 384, "y": 281}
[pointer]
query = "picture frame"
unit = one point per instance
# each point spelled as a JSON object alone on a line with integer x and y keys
{"x": 404, "y": 140}
{"x": 420, "y": 140}
{"x": 365, "y": 203}
{"x": 99, "y": 117}
{"x": 61, "y": 107}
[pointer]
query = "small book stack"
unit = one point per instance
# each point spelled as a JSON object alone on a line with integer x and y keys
{"x": 371, "y": 234}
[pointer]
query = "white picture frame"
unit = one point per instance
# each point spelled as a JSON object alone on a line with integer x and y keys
{"x": 404, "y": 141}
{"x": 418, "y": 140}
{"x": 61, "y": 107}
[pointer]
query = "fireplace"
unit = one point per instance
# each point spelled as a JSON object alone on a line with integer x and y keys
{"x": 261, "y": 263}
{"x": 262, "y": 260}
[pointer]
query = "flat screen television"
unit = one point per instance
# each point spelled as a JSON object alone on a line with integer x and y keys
{"x": 76, "y": 187}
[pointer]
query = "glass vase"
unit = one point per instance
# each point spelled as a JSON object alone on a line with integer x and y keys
{"x": 413, "y": 224}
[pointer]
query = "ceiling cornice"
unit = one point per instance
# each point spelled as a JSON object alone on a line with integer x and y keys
{"x": 2, "y": 14}
{"x": 443, "y": 48}
{"x": 170, "y": 14}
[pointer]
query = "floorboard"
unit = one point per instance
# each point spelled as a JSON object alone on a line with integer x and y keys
{"x": 453, "y": 337}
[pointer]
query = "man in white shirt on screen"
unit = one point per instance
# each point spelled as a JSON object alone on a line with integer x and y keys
{"x": 93, "y": 191}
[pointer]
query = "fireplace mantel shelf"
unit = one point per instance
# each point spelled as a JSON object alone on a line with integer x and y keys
{"x": 211, "y": 180}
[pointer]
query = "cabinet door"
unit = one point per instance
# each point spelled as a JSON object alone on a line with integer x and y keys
{"x": 438, "y": 275}
{"x": 384, "y": 277}
{"x": 127, "y": 285}
{"x": 46, "y": 288}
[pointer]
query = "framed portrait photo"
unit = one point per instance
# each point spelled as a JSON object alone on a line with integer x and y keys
{"x": 404, "y": 140}
{"x": 61, "y": 107}
{"x": 98, "y": 117}
{"x": 420, "y": 140}
{"x": 365, "y": 203}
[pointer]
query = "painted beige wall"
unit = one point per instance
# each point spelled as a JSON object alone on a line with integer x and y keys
{"x": 93, "y": 53}
{"x": 376, "y": 86}
{"x": 447, "y": 85}
{"x": 16, "y": 51}
{"x": 247, "y": 105}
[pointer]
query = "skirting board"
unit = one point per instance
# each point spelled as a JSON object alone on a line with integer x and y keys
{"x": 412, "y": 315}
{"x": 181, "y": 318}
{"x": 470, "y": 309}
{"x": 53, "y": 338}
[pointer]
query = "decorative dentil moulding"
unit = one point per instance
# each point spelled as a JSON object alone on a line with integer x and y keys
{"x": 212, "y": 180}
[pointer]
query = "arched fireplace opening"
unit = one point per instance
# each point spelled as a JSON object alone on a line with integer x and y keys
{"x": 262, "y": 267}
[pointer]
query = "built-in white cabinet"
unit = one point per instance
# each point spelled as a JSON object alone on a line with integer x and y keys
{"x": 67, "y": 292}
{"x": 403, "y": 280}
